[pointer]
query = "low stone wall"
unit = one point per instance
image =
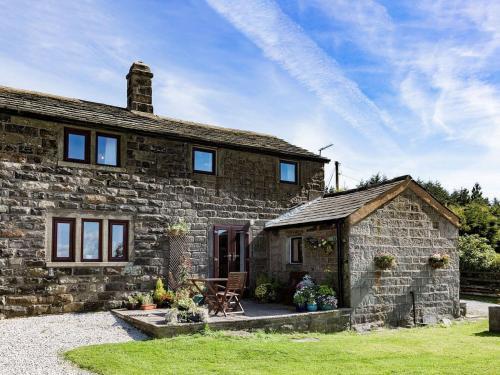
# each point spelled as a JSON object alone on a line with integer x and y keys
{"x": 321, "y": 321}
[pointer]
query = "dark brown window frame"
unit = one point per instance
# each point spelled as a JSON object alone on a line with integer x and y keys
{"x": 301, "y": 254}
{"x": 118, "y": 148}
{"x": 296, "y": 172}
{"x": 125, "y": 223}
{"x": 63, "y": 220}
{"x": 100, "y": 239}
{"x": 87, "y": 134}
{"x": 214, "y": 160}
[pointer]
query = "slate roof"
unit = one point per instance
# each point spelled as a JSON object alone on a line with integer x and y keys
{"x": 81, "y": 111}
{"x": 333, "y": 206}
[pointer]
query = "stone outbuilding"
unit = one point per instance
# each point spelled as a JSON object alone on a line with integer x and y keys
{"x": 338, "y": 238}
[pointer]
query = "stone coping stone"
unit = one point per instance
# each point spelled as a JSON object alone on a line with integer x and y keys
{"x": 153, "y": 323}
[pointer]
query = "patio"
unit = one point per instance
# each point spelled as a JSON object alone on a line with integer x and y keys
{"x": 269, "y": 317}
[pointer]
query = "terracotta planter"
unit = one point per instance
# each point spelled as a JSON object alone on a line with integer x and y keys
{"x": 151, "y": 306}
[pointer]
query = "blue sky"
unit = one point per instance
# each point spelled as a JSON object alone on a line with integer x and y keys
{"x": 399, "y": 87}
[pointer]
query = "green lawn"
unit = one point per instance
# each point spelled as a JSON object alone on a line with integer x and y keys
{"x": 464, "y": 348}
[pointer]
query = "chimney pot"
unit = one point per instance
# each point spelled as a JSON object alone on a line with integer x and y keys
{"x": 139, "y": 88}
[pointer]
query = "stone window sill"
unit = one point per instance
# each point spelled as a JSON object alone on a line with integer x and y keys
{"x": 104, "y": 168}
{"x": 86, "y": 264}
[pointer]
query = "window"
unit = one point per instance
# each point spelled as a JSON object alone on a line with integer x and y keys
{"x": 77, "y": 145}
{"x": 296, "y": 250}
{"x": 118, "y": 240}
{"x": 91, "y": 240}
{"x": 108, "y": 150}
{"x": 63, "y": 235}
{"x": 288, "y": 172}
{"x": 203, "y": 161}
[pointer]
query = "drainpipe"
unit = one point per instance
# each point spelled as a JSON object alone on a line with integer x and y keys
{"x": 414, "y": 310}
{"x": 340, "y": 263}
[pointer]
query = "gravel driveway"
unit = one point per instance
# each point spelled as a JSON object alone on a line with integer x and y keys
{"x": 477, "y": 308}
{"x": 33, "y": 345}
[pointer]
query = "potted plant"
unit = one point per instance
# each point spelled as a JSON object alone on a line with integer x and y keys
{"x": 132, "y": 303}
{"x": 310, "y": 296}
{"x": 326, "y": 298}
{"x": 439, "y": 260}
{"x": 147, "y": 302}
{"x": 327, "y": 303}
{"x": 385, "y": 261}
{"x": 299, "y": 299}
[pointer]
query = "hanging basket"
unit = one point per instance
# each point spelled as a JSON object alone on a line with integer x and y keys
{"x": 439, "y": 260}
{"x": 385, "y": 261}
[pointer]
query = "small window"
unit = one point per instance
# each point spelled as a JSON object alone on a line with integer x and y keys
{"x": 63, "y": 240}
{"x": 118, "y": 240}
{"x": 77, "y": 145}
{"x": 296, "y": 250}
{"x": 91, "y": 240}
{"x": 203, "y": 161}
{"x": 108, "y": 150}
{"x": 288, "y": 172}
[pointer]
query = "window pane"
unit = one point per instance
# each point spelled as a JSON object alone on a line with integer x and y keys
{"x": 203, "y": 161}
{"x": 91, "y": 238}
{"x": 76, "y": 146}
{"x": 287, "y": 172}
{"x": 63, "y": 240}
{"x": 117, "y": 243}
{"x": 296, "y": 256}
{"x": 107, "y": 150}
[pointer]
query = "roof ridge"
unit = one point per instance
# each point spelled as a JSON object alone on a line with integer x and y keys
{"x": 163, "y": 121}
{"x": 395, "y": 179}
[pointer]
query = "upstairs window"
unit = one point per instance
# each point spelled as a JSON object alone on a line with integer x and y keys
{"x": 91, "y": 240}
{"x": 296, "y": 250}
{"x": 204, "y": 161}
{"x": 108, "y": 150}
{"x": 77, "y": 145}
{"x": 63, "y": 239}
{"x": 288, "y": 172}
{"x": 118, "y": 240}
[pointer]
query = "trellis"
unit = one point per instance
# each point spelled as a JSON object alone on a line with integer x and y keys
{"x": 177, "y": 249}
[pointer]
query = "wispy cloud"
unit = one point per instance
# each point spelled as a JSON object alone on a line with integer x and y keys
{"x": 284, "y": 42}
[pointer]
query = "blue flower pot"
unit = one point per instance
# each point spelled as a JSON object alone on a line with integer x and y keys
{"x": 326, "y": 307}
{"x": 312, "y": 307}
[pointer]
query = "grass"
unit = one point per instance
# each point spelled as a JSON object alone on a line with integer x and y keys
{"x": 464, "y": 348}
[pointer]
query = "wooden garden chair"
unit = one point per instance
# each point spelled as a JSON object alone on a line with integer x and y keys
{"x": 230, "y": 295}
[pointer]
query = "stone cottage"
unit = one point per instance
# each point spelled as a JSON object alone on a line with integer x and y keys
{"x": 87, "y": 191}
{"x": 336, "y": 239}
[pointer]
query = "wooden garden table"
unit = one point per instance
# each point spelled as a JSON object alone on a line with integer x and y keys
{"x": 210, "y": 292}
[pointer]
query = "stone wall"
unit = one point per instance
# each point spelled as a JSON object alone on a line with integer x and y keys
{"x": 321, "y": 266}
{"x": 412, "y": 231}
{"x": 154, "y": 187}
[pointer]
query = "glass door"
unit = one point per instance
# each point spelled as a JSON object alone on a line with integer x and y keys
{"x": 230, "y": 250}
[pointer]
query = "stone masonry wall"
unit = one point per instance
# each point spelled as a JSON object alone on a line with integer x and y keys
{"x": 412, "y": 231}
{"x": 321, "y": 266}
{"x": 154, "y": 187}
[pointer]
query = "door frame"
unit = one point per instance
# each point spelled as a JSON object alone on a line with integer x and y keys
{"x": 232, "y": 229}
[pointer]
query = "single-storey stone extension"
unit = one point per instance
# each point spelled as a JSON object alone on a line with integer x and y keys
{"x": 88, "y": 190}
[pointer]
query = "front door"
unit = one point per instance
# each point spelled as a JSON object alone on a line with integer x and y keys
{"x": 230, "y": 250}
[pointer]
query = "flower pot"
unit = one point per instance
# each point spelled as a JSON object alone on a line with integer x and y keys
{"x": 312, "y": 307}
{"x": 150, "y": 306}
{"x": 300, "y": 308}
{"x": 326, "y": 307}
{"x": 132, "y": 306}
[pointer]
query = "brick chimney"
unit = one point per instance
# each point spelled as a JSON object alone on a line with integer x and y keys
{"x": 139, "y": 92}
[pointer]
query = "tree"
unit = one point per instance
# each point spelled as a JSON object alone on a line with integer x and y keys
{"x": 437, "y": 191}
{"x": 460, "y": 197}
{"x": 475, "y": 253}
{"x": 373, "y": 180}
{"x": 476, "y": 195}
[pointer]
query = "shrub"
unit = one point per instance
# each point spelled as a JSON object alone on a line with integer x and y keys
{"x": 384, "y": 261}
{"x": 475, "y": 253}
{"x": 299, "y": 298}
{"x": 325, "y": 290}
{"x": 266, "y": 292}
{"x": 159, "y": 291}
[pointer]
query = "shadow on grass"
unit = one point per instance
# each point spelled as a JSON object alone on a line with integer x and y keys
{"x": 487, "y": 334}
